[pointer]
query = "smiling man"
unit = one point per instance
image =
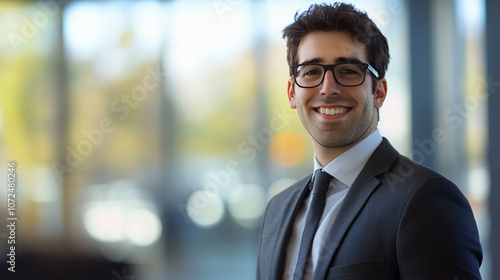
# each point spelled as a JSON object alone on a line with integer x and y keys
{"x": 366, "y": 212}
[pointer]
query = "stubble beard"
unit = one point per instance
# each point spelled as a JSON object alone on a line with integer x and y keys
{"x": 329, "y": 139}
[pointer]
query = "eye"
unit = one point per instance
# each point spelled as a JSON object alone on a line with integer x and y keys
{"x": 312, "y": 72}
{"x": 349, "y": 69}
{"x": 309, "y": 71}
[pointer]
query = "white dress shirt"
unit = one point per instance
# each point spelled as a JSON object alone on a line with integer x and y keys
{"x": 344, "y": 169}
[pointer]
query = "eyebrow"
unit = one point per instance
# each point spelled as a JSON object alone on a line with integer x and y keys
{"x": 337, "y": 60}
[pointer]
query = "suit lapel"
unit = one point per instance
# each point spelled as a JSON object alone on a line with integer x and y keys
{"x": 364, "y": 185}
{"x": 289, "y": 210}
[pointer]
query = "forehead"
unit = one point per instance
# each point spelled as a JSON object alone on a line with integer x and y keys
{"x": 328, "y": 47}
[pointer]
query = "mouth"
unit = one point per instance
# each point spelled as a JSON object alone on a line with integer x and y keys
{"x": 332, "y": 111}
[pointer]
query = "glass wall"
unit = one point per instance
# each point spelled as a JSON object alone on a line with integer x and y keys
{"x": 149, "y": 135}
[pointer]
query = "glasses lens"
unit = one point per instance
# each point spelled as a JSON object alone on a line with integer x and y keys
{"x": 309, "y": 75}
{"x": 350, "y": 74}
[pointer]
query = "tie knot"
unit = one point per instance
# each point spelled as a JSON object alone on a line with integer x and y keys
{"x": 321, "y": 181}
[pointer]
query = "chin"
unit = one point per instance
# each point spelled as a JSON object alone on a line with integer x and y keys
{"x": 332, "y": 144}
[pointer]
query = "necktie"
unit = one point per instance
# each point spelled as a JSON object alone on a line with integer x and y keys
{"x": 320, "y": 187}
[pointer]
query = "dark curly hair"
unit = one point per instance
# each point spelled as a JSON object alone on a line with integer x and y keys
{"x": 338, "y": 17}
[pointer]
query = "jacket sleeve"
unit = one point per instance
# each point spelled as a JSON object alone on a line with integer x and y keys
{"x": 437, "y": 236}
{"x": 265, "y": 245}
{"x": 259, "y": 250}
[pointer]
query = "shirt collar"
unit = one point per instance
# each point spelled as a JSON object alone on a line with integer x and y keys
{"x": 347, "y": 166}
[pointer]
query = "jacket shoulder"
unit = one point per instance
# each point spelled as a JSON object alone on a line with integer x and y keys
{"x": 387, "y": 164}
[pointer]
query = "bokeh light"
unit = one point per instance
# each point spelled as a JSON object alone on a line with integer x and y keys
{"x": 287, "y": 149}
{"x": 122, "y": 221}
{"x": 205, "y": 208}
{"x": 104, "y": 221}
{"x": 143, "y": 227}
{"x": 246, "y": 203}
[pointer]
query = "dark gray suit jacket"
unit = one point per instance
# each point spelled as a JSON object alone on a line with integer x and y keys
{"x": 399, "y": 220}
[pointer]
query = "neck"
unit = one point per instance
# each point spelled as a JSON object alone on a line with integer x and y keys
{"x": 325, "y": 155}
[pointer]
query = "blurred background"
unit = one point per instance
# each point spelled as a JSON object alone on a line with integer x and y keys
{"x": 148, "y": 136}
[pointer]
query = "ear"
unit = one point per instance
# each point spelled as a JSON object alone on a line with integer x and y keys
{"x": 291, "y": 94}
{"x": 380, "y": 93}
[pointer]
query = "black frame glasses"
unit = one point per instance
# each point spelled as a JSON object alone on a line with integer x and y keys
{"x": 348, "y": 74}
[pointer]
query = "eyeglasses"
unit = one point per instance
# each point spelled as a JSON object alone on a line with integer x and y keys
{"x": 309, "y": 75}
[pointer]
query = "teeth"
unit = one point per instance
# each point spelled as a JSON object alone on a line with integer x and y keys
{"x": 332, "y": 111}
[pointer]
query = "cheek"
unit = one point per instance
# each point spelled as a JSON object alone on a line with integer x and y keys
{"x": 365, "y": 99}
{"x": 299, "y": 99}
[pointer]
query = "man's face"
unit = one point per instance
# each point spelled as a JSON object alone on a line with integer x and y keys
{"x": 336, "y": 117}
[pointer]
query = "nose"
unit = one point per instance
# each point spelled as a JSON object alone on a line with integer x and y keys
{"x": 329, "y": 85}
